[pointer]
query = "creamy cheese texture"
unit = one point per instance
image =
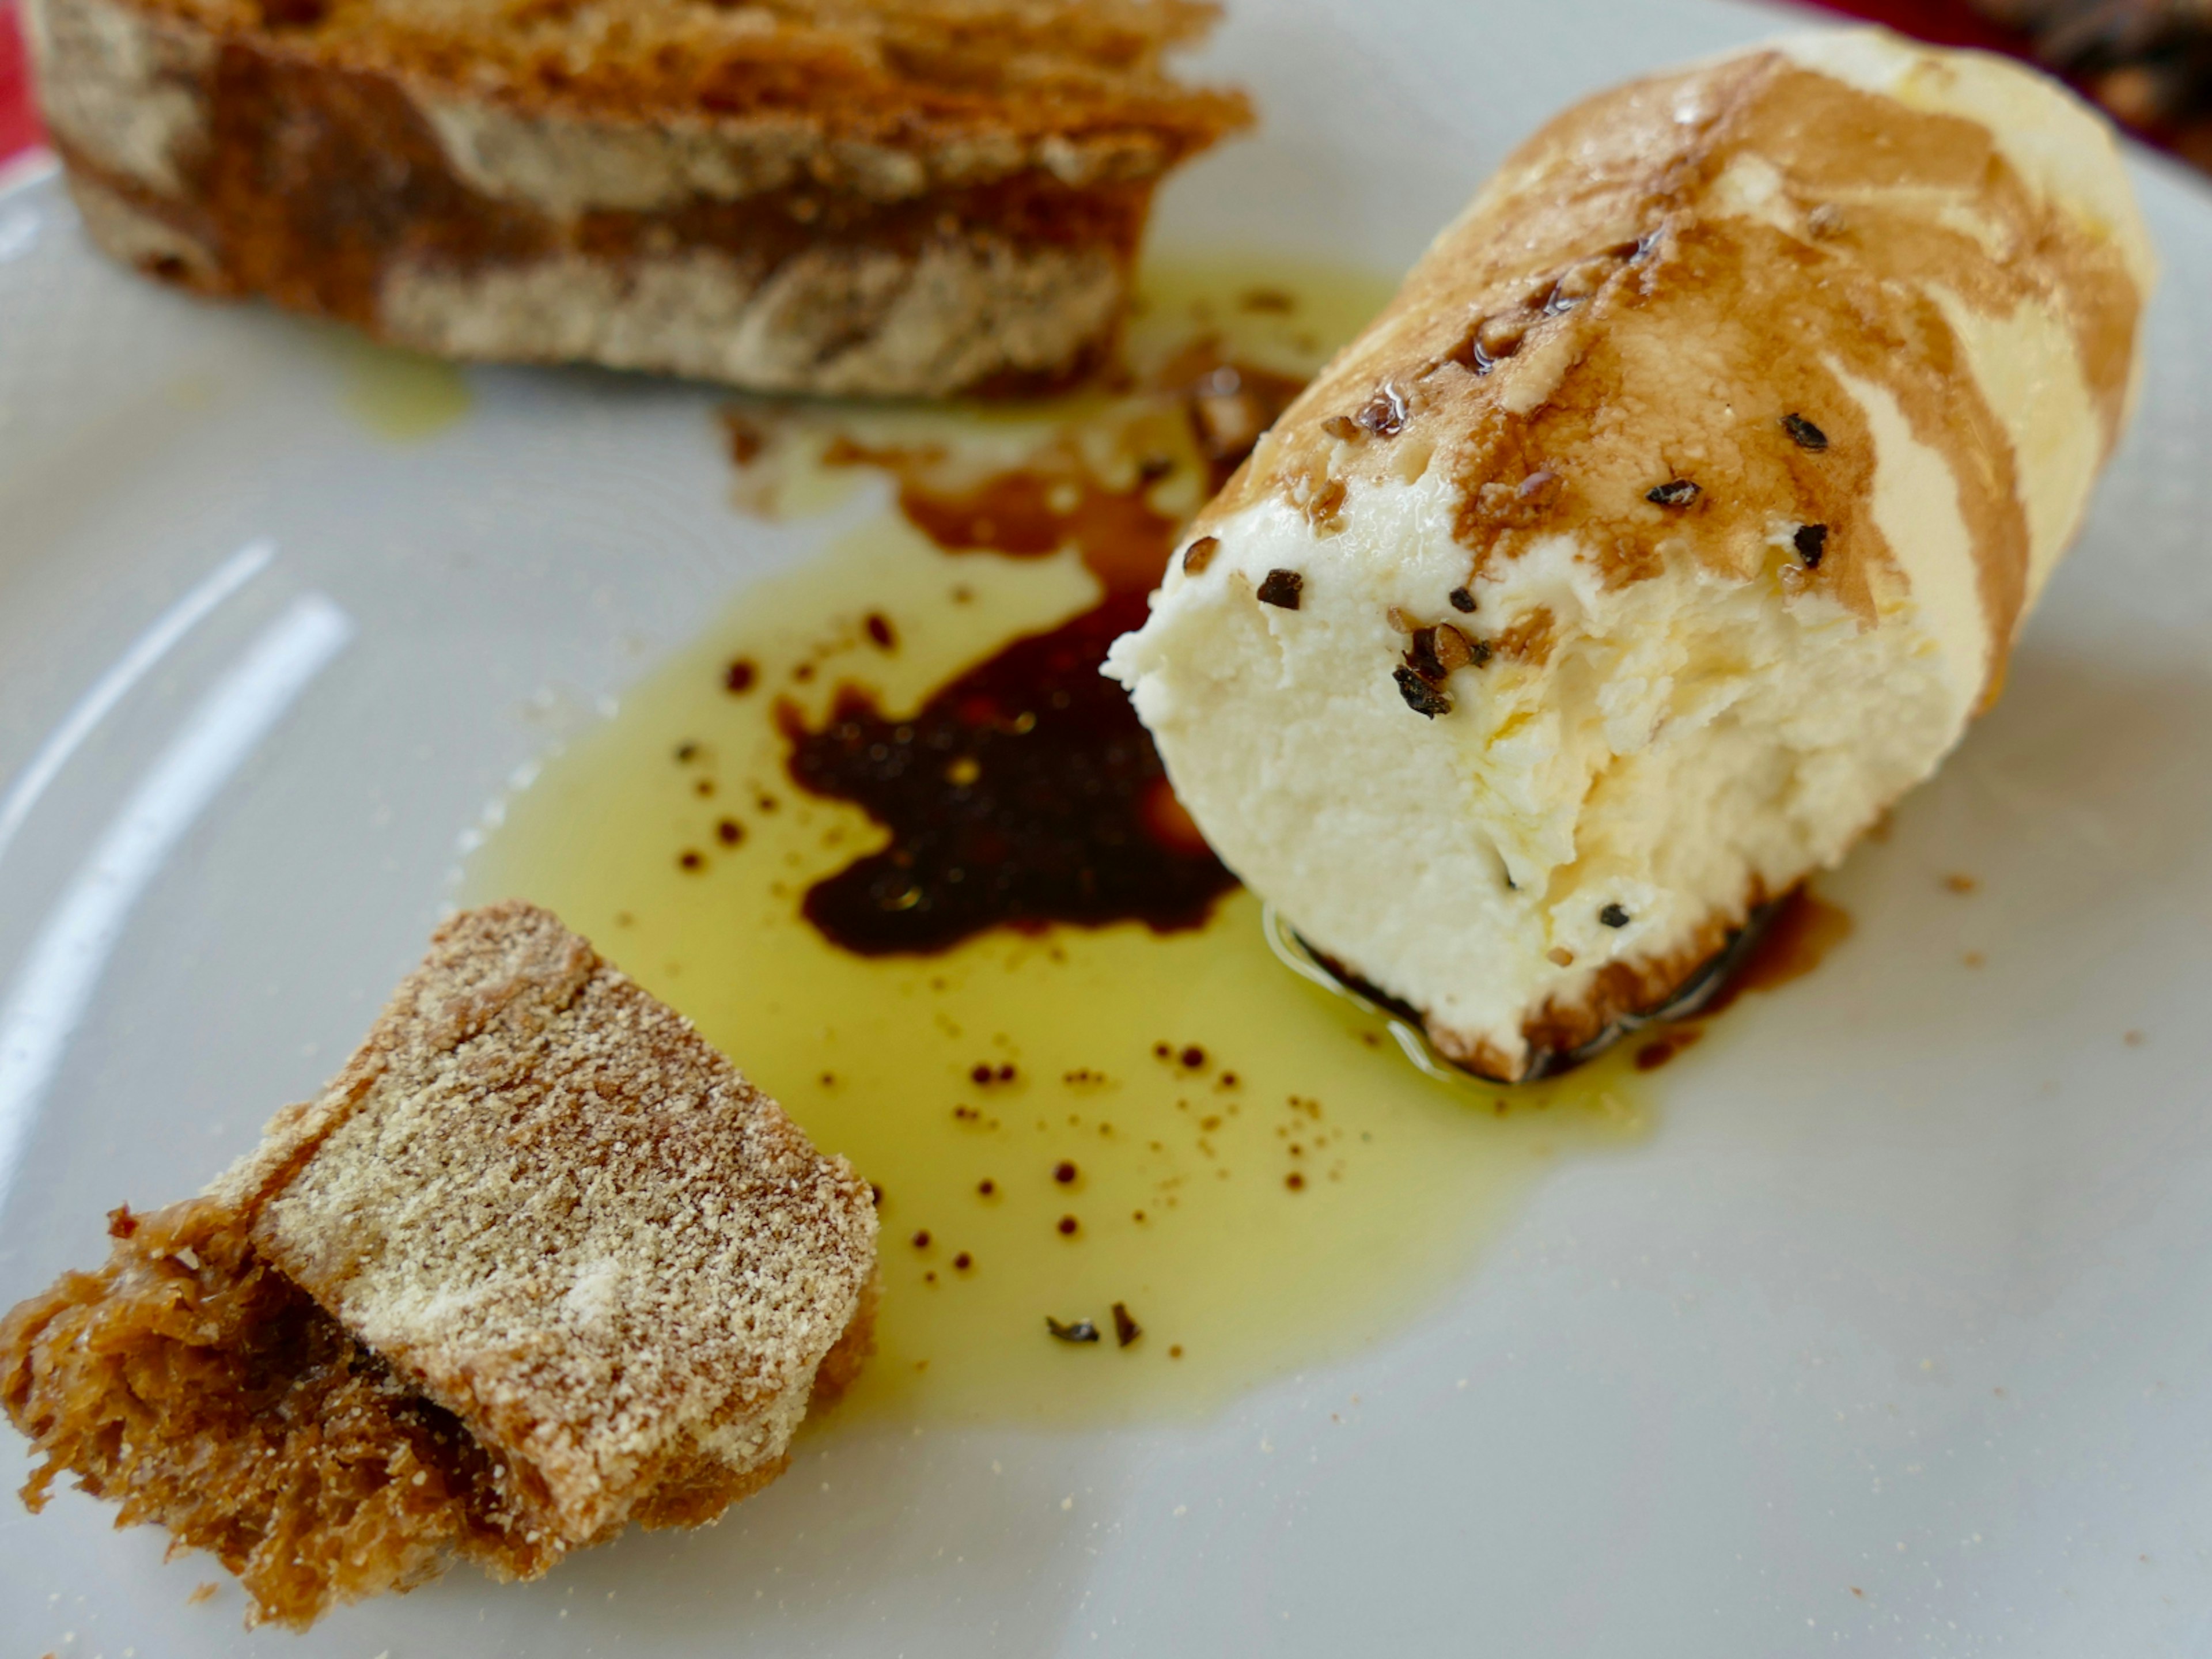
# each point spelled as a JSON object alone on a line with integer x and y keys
{"x": 1675, "y": 518}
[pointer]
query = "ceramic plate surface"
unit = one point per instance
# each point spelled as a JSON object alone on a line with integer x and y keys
{"x": 1895, "y": 1335}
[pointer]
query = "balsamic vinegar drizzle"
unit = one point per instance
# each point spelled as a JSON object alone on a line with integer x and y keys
{"x": 1026, "y": 791}
{"x": 1023, "y": 793}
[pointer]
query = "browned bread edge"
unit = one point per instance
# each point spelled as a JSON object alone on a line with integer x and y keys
{"x": 767, "y": 253}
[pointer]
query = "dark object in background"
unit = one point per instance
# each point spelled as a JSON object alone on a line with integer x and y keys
{"x": 2148, "y": 63}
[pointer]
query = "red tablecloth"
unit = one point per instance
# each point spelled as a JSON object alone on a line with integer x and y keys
{"x": 1949, "y": 21}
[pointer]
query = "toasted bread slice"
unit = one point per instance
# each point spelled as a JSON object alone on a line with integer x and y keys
{"x": 539, "y": 1262}
{"x": 885, "y": 198}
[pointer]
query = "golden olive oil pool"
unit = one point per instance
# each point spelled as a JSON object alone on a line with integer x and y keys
{"x": 1060, "y": 1124}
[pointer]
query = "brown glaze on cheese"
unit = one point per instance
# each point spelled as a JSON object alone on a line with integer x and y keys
{"x": 1585, "y": 332}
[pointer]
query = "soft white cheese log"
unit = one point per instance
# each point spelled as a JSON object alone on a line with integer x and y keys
{"x": 1673, "y": 520}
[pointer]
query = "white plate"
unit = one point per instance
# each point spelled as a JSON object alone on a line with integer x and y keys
{"x": 1892, "y": 1338}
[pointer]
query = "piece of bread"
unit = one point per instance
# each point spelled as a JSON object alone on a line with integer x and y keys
{"x": 538, "y": 1263}
{"x": 1674, "y": 519}
{"x": 883, "y": 197}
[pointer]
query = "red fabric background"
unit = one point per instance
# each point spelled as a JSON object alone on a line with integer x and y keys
{"x": 1949, "y": 21}
{"x": 19, "y": 128}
